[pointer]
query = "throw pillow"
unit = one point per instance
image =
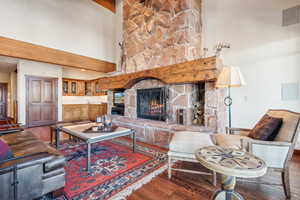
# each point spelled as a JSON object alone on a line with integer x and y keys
{"x": 5, "y": 151}
{"x": 266, "y": 129}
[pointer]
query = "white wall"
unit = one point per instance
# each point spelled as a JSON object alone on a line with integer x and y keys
{"x": 4, "y": 77}
{"x": 36, "y": 69}
{"x": 267, "y": 53}
{"x": 78, "y": 26}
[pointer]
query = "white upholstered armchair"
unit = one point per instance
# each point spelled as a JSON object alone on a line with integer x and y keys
{"x": 278, "y": 153}
{"x": 182, "y": 148}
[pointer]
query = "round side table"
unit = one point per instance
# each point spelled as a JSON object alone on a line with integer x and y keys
{"x": 230, "y": 163}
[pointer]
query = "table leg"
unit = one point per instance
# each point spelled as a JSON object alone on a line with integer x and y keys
{"x": 133, "y": 141}
{"x": 227, "y": 192}
{"x": 228, "y": 183}
{"x": 88, "y": 163}
{"x": 57, "y": 134}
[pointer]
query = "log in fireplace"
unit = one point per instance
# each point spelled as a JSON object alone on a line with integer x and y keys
{"x": 151, "y": 103}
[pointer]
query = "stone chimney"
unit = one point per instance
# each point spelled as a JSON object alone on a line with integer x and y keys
{"x": 160, "y": 32}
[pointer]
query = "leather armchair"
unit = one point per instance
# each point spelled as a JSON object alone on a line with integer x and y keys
{"x": 36, "y": 169}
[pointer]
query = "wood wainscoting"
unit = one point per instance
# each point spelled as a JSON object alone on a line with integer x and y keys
{"x": 77, "y": 112}
{"x": 96, "y": 110}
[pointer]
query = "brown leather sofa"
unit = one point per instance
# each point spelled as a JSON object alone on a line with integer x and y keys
{"x": 35, "y": 170}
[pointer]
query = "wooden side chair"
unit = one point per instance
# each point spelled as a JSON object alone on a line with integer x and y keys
{"x": 182, "y": 148}
{"x": 278, "y": 153}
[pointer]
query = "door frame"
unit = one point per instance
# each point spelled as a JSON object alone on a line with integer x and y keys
{"x": 27, "y": 77}
{"x": 6, "y": 99}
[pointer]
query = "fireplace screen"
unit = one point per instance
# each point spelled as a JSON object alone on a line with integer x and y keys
{"x": 151, "y": 103}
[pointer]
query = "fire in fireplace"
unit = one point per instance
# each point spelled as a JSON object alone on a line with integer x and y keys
{"x": 151, "y": 103}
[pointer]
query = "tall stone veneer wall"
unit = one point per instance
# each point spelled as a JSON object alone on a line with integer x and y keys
{"x": 160, "y": 32}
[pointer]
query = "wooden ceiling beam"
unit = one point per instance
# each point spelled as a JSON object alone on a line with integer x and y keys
{"x": 205, "y": 69}
{"x": 24, "y": 50}
{"x": 109, "y": 4}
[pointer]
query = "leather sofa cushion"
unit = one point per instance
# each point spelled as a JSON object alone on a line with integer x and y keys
{"x": 24, "y": 143}
{"x": 13, "y": 139}
{"x": 266, "y": 129}
{"x": 31, "y": 147}
{"x": 189, "y": 142}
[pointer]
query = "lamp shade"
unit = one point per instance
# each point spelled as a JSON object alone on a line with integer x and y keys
{"x": 230, "y": 77}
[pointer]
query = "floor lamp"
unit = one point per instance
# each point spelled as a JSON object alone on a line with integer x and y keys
{"x": 228, "y": 78}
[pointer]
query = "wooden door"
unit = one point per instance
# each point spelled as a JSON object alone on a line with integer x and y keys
{"x": 41, "y": 101}
{"x": 3, "y": 101}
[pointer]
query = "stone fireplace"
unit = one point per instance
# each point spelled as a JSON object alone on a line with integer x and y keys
{"x": 180, "y": 97}
{"x": 152, "y": 103}
{"x": 161, "y": 33}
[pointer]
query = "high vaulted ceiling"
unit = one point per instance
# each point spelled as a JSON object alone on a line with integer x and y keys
{"x": 109, "y": 4}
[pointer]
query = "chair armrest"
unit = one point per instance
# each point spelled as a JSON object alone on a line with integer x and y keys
{"x": 267, "y": 143}
{"x": 235, "y": 130}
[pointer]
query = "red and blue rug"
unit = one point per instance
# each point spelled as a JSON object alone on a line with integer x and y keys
{"x": 116, "y": 171}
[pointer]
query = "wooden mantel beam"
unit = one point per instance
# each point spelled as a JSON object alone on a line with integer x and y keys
{"x": 24, "y": 50}
{"x": 109, "y": 4}
{"x": 205, "y": 69}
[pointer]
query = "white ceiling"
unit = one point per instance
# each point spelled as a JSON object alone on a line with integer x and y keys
{"x": 75, "y": 73}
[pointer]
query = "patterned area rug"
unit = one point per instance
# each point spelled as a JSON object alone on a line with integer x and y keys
{"x": 115, "y": 170}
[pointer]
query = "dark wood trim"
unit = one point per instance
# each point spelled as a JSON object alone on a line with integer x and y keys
{"x": 6, "y": 99}
{"x": 27, "y": 77}
{"x": 24, "y": 50}
{"x": 109, "y": 4}
{"x": 188, "y": 72}
{"x": 297, "y": 152}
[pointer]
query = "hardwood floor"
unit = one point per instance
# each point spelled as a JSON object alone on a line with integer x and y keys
{"x": 184, "y": 186}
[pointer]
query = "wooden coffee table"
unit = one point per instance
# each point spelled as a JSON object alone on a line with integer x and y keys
{"x": 78, "y": 131}
{"x": 230, "y": 163}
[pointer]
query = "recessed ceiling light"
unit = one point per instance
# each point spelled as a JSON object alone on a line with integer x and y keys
{"x": 83, "y": 70}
